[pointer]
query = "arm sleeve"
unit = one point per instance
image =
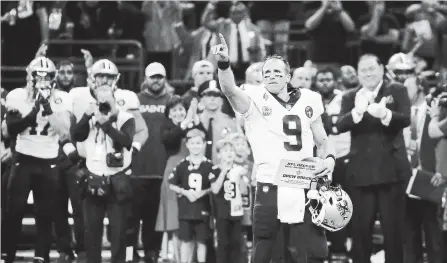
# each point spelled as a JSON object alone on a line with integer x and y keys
{"x": 80, "y": 130}
{"x": 17, "y": 124}
{"x": 122, "y": 137}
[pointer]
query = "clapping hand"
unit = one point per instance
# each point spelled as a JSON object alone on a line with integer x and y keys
{"x": 220, "y": 51}
{"x": 361, "y": 103}
{"x": 378, "y": 110}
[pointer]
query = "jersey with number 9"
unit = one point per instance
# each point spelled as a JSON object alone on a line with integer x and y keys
{"x": 276, "y": 132}
{"x": 192, "y": 178}
{"x": 40, "y": 140}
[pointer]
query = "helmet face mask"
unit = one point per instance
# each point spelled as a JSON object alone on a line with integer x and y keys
{"x": 104, "y": 72}
{"x": 333, "y": 210}
{"x": 41, "y": 77}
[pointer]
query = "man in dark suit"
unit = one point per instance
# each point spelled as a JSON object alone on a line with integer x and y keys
{"x": 375, "y": 114}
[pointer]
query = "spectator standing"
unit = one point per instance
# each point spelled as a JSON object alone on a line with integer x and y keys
{"x": 151, "y": 160}
{"x": 216, "y": 123}
{"x": 24, "y": 28}
{"x": 161, "y": 40}
{"x": 326, "y": 86}
{"x": 375, "y": 114}
{"x": 424, "y": 21}
{"x": 302, "y": 78}
{"x": 92, "y": 21}
{"x": 202, "y": 71}
{"x": 68, "y": 188}
{"x": 198, "y": 43}
{"x": 348, "y": 77}
{"x": 173, "y": 133}
{"x": 329, "y": 27}
{"x": 379, "y": 31}
{"x": 274, "y": 26}
{"x": 253, "y": 74}
{"x": 421, "y": 216}
{"x": 245, "y": 40}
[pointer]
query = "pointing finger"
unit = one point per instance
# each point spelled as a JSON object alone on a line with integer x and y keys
{"x": 222, "y": 40}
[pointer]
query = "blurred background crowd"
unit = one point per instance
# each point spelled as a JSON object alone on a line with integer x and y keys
{"x": 164, "y": 46}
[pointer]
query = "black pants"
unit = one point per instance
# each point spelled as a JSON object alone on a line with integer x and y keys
{"x": 302, "y": 243}
{"x": 41, "y": 176}
{"x": 388, "y": 200}
{"x": 229, "y": 237}
{"x": 145, "y": 208}
{"x": 338, "y": 238}
{"x": 422, "y": 217}
{"x": 68, "y": 189}
{"x": 95, "y": 209}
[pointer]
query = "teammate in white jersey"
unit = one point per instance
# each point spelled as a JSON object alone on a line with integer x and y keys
{"x": 280, "y": 125}
{"x": 105, "y": 72}
{"x": 39, "y": 117}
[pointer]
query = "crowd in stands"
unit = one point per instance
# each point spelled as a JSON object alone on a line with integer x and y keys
{"x": 322, "y": 41}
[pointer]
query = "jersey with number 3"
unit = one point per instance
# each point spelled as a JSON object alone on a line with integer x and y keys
{"x": 39, "y": 140}
{"x": 192, "y": 178}
{"x": 277, "y": 132}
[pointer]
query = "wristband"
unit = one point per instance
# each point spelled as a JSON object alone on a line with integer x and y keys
{"x": 223, "y": 65}
{"x": 331, "y": 156}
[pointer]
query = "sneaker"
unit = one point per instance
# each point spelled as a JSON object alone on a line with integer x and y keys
{"x": 38, "y": 260}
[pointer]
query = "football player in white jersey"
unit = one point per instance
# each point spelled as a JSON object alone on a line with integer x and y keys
{"x": 39, "y": 116}
{"x": 280, "y": 125}
{"x": 104, "y": 72}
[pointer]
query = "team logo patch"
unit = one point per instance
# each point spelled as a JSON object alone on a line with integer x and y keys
{"x": 266, "y": 111}
{"x": 309, "y": 112}
{"x": 121, "y": 102}
{"x": 58, "y": 101}
{"x": 265, "y": 189}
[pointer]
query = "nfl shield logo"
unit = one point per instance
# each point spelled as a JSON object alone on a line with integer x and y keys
{"x": 265, "y": 189}
{"x": 309, "y": 112}
{"x": 266, "y": 111}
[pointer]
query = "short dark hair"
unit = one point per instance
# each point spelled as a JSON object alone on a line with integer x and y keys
{"x": 64, "y": 63}
{"x": 369, "y": 55}
{"x": 174, "y": 101}
{"x": 286, "y": 63}
{"x": 327, "y": 70}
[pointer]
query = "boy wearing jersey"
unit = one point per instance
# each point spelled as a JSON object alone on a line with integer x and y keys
{"x": 325, "y": 84}
{"x": 228, "y": 203}
{"x": 39, "y": 117}
{"x": 191, "y": 179}
{"x": 280, "y": 125}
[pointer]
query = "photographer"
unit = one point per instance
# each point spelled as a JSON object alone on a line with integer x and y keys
{"x": 107, "y": 133}
{"x": 438, "y": 129}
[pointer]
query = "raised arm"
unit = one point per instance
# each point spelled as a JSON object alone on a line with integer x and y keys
{"x": 237, "y": 98}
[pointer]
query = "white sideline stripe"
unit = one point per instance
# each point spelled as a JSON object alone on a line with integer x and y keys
{"x": 30, "y": 201}
{"x": 55, "y": 254}
{"x": 31, "y": 221}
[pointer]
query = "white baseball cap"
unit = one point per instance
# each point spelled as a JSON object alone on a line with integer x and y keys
{"x": 155, "y": 68}
{"x": 202, "y": 64}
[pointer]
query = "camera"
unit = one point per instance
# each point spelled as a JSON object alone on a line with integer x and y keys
{"x": 437, "y": 92}
{"x": 115, "y": 159}
{"x": 104, "y": 107}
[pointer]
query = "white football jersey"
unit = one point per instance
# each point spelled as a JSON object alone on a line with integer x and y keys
{"x": 275, "y": 132}
{"x": 40, "y": 140}
{"x": 126, "y": 100}
{"x": 341, "y": 141}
